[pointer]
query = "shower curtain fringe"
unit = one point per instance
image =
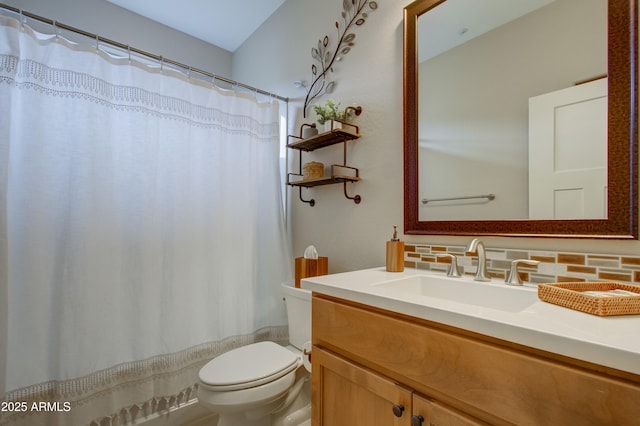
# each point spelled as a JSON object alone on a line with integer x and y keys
{"x": 126, "y": 47}
{"x": 157, "y": 405}
{"x": 167, "y": 372}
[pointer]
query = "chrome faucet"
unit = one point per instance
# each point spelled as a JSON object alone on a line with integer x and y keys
{"x": 477, "y": 246}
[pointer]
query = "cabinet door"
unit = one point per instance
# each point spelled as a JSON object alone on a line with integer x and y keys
{"x": 432, "y": 413}
{"x": 345, "y": 394}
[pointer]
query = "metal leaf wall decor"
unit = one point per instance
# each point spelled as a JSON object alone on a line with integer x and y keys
{"x": 355, "y": 12}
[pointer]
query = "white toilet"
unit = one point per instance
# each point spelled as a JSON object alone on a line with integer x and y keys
{"x": 263, "y": 384}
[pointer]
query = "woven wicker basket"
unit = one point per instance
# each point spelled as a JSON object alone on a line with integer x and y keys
{"x": 571, "y": 295}
{"x": 312, "y": 170}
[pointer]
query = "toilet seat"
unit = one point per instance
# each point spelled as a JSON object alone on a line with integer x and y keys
{"x": 248, "y": 366}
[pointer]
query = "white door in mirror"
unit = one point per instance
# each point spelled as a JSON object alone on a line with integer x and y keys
{"x": 568, "y": 153}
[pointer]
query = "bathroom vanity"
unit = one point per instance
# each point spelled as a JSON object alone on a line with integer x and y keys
{"x": 417, "y": 348}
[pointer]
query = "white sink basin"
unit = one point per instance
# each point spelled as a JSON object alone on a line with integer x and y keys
{"x": 488, "y": 295}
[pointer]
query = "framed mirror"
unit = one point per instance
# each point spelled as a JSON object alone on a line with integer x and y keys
{"x": 471, "y": 173}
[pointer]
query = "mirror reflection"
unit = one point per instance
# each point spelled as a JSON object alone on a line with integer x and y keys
{"x": 512, "y": 110}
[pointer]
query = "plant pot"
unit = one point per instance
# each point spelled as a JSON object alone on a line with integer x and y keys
{"x": 309, "y": 132}
{"x": 332, "y": 125}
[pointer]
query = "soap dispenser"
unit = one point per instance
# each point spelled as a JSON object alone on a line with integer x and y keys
{"x": 395, "y": 253}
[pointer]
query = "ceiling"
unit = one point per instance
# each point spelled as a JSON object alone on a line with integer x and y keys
{"x": 224, "y": 23}
{"x": 458, "y": 21}
{"x": 228, "y": 23}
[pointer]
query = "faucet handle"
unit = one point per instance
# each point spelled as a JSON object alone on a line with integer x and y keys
{"x": 514, "y": 276}
{"x": 454, "y": 269}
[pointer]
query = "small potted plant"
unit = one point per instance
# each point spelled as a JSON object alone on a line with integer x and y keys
{"x": 328, "y": 112}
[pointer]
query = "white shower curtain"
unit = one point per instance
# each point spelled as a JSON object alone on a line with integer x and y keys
{"x": 141, "y": 233}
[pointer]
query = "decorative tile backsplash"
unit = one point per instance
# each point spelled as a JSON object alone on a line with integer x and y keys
{"x": 554, "y": 266}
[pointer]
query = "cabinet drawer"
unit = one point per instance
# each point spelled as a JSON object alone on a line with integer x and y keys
{"x": 498, "y": 384}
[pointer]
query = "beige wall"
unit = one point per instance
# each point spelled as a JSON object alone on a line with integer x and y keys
{"x": 353, "y": 236}
{"x": 118, "y": 24}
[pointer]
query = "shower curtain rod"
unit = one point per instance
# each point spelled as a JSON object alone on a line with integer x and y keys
{"x": 159, "y": 58}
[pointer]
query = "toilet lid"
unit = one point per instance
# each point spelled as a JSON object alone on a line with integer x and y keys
{"x": 248, "y": 366}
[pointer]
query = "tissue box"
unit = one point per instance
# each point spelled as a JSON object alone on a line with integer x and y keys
{"x": 310, "y": 268}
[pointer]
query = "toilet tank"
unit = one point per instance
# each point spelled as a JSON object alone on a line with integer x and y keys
{"x": 298, "y": 303}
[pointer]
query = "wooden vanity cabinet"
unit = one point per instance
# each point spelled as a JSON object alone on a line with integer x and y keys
{"x": 374, "y": 367}
{"x": 354, "y": 395}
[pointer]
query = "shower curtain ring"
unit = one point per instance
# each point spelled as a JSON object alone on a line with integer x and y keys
{"x": 129, "y": 52}
{"x": 97, "y": 42}
{"x": 55, "y": 29}
{"x": 161, "y": 63}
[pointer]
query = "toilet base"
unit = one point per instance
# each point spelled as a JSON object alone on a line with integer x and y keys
{"x": 300, "y": 417}
{"x": 297, "y": 413}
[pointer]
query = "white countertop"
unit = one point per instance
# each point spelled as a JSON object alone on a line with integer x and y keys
{"x": 611, "y": 341}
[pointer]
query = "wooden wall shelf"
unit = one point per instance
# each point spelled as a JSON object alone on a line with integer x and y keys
{"x": 323, "y": 140}
{"x": 347, "y": 132}
{"x": 310, "y": 183}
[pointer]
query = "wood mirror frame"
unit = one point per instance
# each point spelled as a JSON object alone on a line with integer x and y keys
{"x": 622, "y": 216}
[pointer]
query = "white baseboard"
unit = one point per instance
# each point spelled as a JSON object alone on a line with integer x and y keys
{"x": 187, "y": 414}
